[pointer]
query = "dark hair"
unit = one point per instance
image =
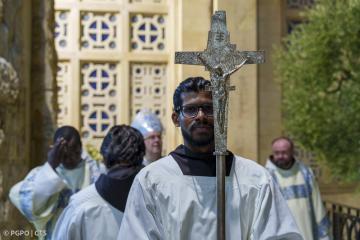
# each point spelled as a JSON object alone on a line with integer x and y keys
{"x": 284, "y": 138}
{"x": 68, "y": 133}
{"x": 123, "y": 144}
{"x": 191, "y": 84}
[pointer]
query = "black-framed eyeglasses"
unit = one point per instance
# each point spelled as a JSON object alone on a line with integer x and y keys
{"x": 191, "y": 111}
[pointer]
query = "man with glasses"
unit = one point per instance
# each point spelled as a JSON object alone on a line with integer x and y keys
{"x": 175, "y": 197}
{"x": 151, "y": 128}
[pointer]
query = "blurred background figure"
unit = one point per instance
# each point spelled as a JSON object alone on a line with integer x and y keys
{"x": 151, "y": 128}
{"x": 96, "y": 212}
{"x": 45, "y": 191}
{"x": 300, "y": 189}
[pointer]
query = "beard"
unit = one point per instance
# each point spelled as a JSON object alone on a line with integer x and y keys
{"x": 284, "y": 163}
{"x": 201, "y": 141}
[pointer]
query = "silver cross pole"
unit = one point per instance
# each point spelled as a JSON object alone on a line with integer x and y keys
{"x": 221, "y": 59}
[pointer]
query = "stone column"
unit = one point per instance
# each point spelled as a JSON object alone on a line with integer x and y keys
{"x": 242, "y": 17}
{"x": 15, "y": 42}
{"x": 43, "y": 79}
{"x": 192, "y": 23}
{"x": 270, "y": 27}
{"x": 27, "y": 118}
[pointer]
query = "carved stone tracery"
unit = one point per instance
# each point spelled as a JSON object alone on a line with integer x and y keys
{"x": 9, "y": 89}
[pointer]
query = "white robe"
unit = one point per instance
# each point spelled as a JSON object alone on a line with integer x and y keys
{"x": 146, "y": 162}
{"x": 88, "y": 216}
{"x": 165, "y": 204}
{"x": 302, "y": 194}
{"x": 44, "y": 193}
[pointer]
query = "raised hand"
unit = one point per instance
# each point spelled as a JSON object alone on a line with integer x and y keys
{"x": 57, "y": 152}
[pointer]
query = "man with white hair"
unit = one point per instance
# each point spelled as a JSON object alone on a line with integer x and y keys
{"x": 151, "y": 128}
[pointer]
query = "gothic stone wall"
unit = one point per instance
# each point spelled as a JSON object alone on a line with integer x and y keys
{"x": 14, "y": 149}
{"x": 43, "y": 79}
{"x": 27, "y": 121}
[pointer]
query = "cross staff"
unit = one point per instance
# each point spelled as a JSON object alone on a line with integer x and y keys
{"x": 221, "y": 59}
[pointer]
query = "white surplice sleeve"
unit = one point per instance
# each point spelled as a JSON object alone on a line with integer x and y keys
{"x": 69, "y": 225}
{"x": 37, "y": 195}
{"x": 88, "y": 216}
{"x": 140, "y": 221}
{"x": 79, "y": 222}
{"x": 273, "y": 220}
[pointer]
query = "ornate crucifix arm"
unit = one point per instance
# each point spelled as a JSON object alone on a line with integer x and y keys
{"x": 190, "y": 58}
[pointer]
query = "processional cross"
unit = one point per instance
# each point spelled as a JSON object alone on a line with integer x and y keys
{"x": 221, "y": 59}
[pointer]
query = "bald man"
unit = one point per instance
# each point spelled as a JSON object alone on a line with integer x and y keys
{"x": 298, "y": 185}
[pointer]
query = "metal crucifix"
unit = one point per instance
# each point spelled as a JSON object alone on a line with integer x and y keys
{"x": 221, "y": 59}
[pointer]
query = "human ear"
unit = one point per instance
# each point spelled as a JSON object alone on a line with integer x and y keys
{"x": 175, "y": 119}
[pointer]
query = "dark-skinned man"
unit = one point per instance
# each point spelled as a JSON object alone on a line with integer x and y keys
{"x": 299, "y": 187}
{"x": 175, "y": 197}
{"x": 96, "y": 211}
{"x": 45, "y": 191}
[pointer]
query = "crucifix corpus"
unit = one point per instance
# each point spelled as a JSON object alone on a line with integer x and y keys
{"x": 221, "y": 59}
